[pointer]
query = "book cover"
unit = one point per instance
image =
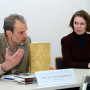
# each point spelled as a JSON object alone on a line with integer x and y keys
{"x": 25, "y": 76}
{"x": 39, "y": 59}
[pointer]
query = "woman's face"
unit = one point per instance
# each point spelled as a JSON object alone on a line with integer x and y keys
{"x": 79, "y": 25}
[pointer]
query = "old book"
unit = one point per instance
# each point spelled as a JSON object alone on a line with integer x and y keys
{"x": 18, "y": 79}
{"x": 39, "y": 57}
{"x": 25, "y": 78}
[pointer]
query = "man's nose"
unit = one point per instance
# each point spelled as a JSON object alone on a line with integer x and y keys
{"x": 25, "y": 35}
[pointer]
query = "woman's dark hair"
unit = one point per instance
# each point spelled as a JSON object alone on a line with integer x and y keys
{"x": 84, "y": 15}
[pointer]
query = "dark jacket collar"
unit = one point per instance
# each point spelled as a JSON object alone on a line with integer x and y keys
{"x": 72, "y": 37}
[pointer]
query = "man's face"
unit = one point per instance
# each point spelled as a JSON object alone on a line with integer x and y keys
{"x": 19, "y": 35}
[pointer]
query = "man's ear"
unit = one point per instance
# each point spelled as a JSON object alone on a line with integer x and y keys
{"x": 8, "y": 33}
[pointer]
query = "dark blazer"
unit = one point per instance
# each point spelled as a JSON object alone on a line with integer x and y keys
{"x": 23, "y": 66}
{"x": 73, "y": 55}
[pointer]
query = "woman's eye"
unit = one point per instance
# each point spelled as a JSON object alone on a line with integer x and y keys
{"x": 75, "y": 23}
{"x": 82, "y": 23}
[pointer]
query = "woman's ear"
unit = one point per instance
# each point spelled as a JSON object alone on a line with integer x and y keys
{"x": 8, "y": 33}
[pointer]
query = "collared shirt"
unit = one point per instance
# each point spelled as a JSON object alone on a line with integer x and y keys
{"x": 10, "y": 51}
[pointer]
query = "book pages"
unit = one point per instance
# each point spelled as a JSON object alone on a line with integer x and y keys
{"x": 39, "y": 58}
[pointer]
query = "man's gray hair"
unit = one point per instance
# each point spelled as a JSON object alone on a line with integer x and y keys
{"x": 9, "y": 22}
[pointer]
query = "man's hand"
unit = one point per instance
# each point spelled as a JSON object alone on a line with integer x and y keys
{"x": 12, "y": 61}
{"x": 52, "y": 68}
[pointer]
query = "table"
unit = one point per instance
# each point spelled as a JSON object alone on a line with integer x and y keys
{"x": 11, "y": 85}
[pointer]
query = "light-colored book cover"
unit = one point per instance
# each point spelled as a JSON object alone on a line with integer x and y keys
{"x": 39, "y": 58}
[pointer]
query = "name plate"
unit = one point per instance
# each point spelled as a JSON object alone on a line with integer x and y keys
{"x": 53, "y": 77}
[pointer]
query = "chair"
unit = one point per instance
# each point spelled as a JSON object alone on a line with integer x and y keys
{"x": 58, "y": 62}
{"x": 85, "y": 83}
{"x": 58, "y": 65}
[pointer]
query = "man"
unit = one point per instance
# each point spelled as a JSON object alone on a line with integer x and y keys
{"x": 14, "y": 50}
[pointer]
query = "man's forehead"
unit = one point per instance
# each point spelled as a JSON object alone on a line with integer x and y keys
{"x": 17, "y": 22}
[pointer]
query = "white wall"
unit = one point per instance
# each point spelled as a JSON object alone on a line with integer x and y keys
{"x": 47, "y": 20}
{"x": 89, "y": 6}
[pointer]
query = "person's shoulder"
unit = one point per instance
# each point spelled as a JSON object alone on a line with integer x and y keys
{"x": 68, "y": 38}
{"x": 2, "y": 40}
{"x": 28, "y": 39}
{"x": 2, "y": 35}
{"x": 87, "y": 36}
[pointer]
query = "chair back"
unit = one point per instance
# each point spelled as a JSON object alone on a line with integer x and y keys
{"x": 58, "y": 62}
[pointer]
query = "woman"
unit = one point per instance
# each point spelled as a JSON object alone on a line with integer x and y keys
{"x": 76, "y": 46}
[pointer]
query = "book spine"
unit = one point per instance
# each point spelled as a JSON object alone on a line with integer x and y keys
{"x": 28, "y": 79}
{"x": 24, "y": 79}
